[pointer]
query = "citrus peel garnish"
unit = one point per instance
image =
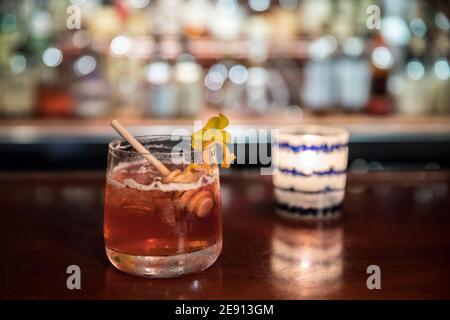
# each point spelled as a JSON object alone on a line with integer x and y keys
{"x": 214, "y": 132}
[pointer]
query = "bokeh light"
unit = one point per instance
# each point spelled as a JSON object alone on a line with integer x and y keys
{"x": 442, "y": 69}
{"x": 158, "y": 73}
{"x": 139, "y": 4}
{"x": 85, "y": 65}
{"x": 120, "y": 45}
{"x": 415, "y": 69}
{"x": 52, "y": 57}
{"x": 418, "y": 26}
{"x": 441, "y": 21}
{"x": 238, "y": 74}
{"x": 259, "y": 5}
{"x": 323, "y": 47}
{"x": 382, "y": 58}
{"x": 18, "y": 63}
{"x": 227, "y": 7}
{"x": 395, "y": 31}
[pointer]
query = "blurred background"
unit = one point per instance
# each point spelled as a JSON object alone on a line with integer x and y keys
{"x": 68, "y": 67}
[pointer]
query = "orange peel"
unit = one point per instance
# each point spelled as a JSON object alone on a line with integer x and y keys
{"x": 214, "y": 132}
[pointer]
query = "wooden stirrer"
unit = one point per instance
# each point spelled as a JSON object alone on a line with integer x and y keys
{"x": 140, "y": 148}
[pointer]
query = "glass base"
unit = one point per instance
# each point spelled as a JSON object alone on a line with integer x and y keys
{"x": 164, "y": 266}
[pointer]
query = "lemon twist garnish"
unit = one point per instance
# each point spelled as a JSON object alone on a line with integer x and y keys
{"x": 214, "y": 132}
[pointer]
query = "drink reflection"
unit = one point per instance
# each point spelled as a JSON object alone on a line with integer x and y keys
{"x": 205, "y": 285}
{"x": 306, "y": 258}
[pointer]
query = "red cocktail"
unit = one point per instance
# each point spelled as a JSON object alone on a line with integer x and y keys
{"x": 159, "y": 228}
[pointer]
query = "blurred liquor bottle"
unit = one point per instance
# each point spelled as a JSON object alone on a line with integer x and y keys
{"x": 314, "y": 15}
{"x": 285, "y": 45}
{"x": 414, "y": 88}
{"x": 216, "y": 82}
{"x": 381, "y": 62}
{"x": 440, "y": 66}
{"x": 256, "y": 87}
{"x": 351, "y": 70}
{"x": 17, "y": 79}
{"x": 103, "y": 22}
{"x": 55, "y": 98}
{"x": 226, "y": 20}
{"x": 88, "y": 88}
{"x": 41, "y": 30}
{"x": 353, "y": 75}
{"x": 90, "y": 91}
{"x": 124, "y": 60}
{"x": 124, "y": 77}
{"x": 18, "y": 86}
{"x": 284, "y": 25}
{"x": 166, "y": 18}
{"x": 58, "y": 13}
{"x": 188, "y": 77}
{"x": 12, "y": 34}
{"x": 159, "y": 88}
{"x": 46, "y": 28}
{"x": 315, "y": 91}
{"x": 195, "y": 16}
{"x": 318, "y": 91}
{"x": 137, "y": 19}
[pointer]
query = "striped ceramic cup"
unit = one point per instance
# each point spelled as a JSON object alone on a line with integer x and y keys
{"x": 310, "y": 170}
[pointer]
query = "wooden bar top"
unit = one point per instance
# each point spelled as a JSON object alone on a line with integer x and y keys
{"x": 398, "y": 221}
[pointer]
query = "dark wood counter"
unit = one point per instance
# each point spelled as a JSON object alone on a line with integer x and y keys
{"x": 398, "y": 221}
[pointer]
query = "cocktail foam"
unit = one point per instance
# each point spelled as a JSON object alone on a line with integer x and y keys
{"x": 157, "y": 184}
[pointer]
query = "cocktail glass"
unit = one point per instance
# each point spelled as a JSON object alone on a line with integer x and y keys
{"x": 158, "y": 228}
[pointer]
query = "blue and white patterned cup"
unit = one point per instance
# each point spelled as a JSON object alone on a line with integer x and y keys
{"x": 310, "y": 170}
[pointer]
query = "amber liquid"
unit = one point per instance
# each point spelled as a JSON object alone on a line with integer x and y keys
{"x": 149, "y": 223}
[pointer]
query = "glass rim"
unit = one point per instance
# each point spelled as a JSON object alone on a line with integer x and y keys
{"x": 316, "y": 132}
{"x": 114, "y": 146}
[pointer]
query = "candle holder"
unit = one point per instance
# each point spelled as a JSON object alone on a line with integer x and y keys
{"x": 310, "y": 171}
